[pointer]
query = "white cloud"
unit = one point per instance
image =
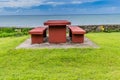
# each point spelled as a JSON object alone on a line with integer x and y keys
{"x": 30, "y": 3}
{"x": 54, "y": 3}
{"x": 20, "y": 3}
{"x": 82, "y": 1}
{"x": 62, "y": 2}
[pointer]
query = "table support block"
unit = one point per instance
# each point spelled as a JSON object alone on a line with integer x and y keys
{"x": 36, "y": 39}
{"x": 57, "y": 34}
{"x": 78, "y": 38}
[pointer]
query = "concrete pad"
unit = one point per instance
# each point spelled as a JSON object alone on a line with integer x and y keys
{"x": 87, "y": 44}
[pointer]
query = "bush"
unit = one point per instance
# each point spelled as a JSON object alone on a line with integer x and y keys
{"x": 9, "y": 30}
{"x": 12, "y": 31}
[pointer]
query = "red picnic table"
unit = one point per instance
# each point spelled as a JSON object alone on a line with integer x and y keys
{"x": 57, "y": 30}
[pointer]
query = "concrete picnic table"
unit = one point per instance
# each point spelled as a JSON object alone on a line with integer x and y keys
{"x": 57, "y": 30}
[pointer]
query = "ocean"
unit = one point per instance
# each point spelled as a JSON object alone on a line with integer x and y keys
{"x": 38, "y": 20}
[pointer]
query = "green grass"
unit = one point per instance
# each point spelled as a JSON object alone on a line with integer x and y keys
{"x": 61, "y": 64}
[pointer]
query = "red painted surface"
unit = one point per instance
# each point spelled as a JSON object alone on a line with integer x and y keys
{"x": 78, "y": 38}
{"x": 57, "y": 22}
{"x": 57, "y": 30}
{"x": 57, "y": 34}
{"x": 77, "y": 34}
{"x": 77, "y": 30}
{"x": 36, "y": 38}
{"x": 38, "y": 30}
{"x": 37, "y": 35}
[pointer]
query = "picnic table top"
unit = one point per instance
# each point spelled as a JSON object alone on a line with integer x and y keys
{"x": 57, "y": 22}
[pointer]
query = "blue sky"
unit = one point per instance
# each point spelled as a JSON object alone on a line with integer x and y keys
{"x": 51, "y": 7}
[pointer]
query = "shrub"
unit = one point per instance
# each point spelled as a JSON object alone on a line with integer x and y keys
{"x": 12, "y": 31}
{"x": 7, "y": 30}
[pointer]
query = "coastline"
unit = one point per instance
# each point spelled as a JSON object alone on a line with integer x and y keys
{"x": 102, "y": 27}
{"x": 88, "y": 28}
{"x": 71, "y": 24}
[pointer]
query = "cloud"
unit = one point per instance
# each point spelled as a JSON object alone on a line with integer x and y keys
{"x": 20, "y": 3}
{"x": 62, "y": 2}
{"x": 82, "y": 1}
{"x": 31, "y": 3}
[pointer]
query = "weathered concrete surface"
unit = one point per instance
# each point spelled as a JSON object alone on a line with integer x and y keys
{"x": 87, "y": 44}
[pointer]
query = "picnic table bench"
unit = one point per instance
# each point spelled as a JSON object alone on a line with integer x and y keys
{"x": 38, "y": 34}
{"x": 76, "y": 33}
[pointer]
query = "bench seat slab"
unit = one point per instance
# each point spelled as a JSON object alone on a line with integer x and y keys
{"x": 37, "y": 35}
{"x": 77, "y": 34}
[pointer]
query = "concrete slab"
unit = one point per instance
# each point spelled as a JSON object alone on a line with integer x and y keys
{"x": 87, "y": 44}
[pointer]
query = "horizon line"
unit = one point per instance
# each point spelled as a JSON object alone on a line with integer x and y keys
{"x": 57, "y": 14}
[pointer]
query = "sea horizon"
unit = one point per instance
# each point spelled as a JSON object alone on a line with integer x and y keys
{"x": 75, "y": 19}
{"x": 59, "y": 14}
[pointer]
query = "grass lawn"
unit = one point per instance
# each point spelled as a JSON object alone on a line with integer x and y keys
{"x": 61, "y": 64}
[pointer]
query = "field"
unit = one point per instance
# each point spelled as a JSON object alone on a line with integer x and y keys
{"x": 61, "y": 64}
